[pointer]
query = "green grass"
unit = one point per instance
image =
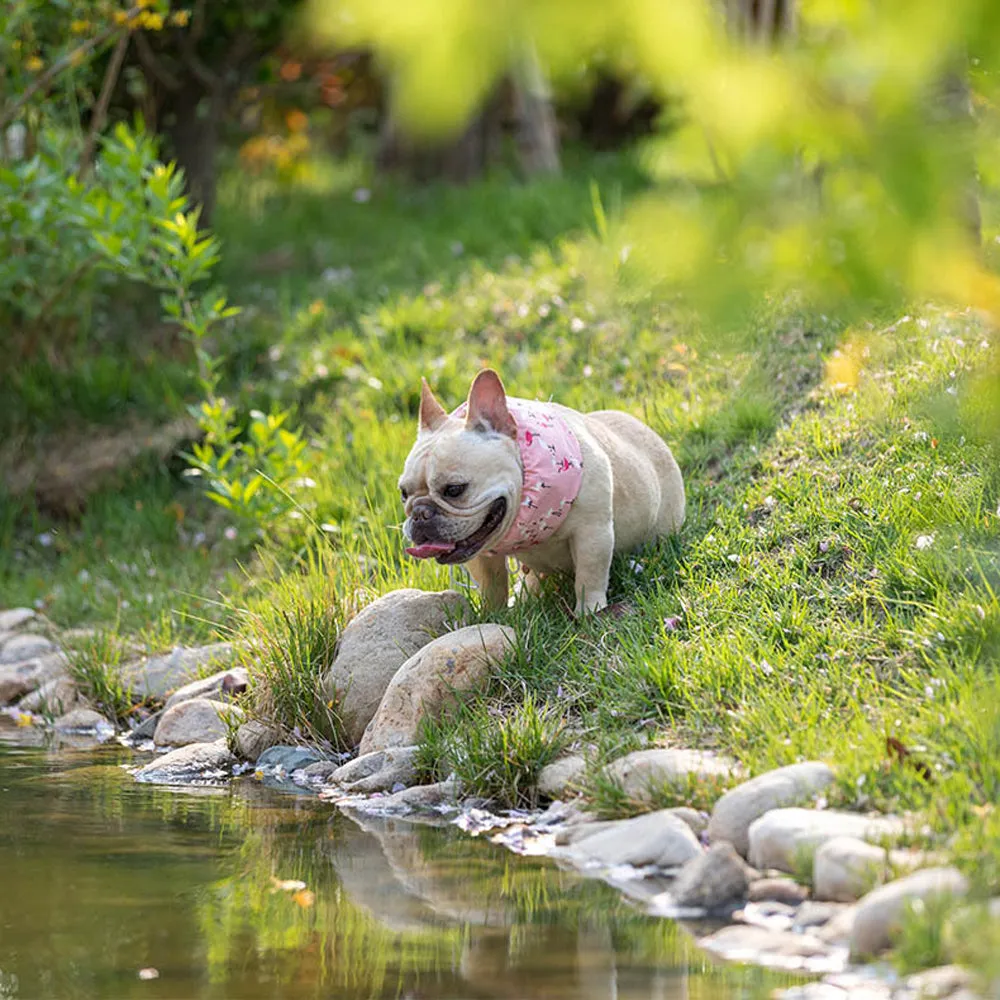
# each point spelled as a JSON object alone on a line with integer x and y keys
{"x": 94, "y": 662}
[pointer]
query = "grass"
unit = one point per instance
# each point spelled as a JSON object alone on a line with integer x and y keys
{"x": 94, "y": 662}
{"x": 833, "y": 594}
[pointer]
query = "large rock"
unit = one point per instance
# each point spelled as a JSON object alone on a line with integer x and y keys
{"x": 19, "y": 679}
{"x": 253, "y": 738}
{"x": 845, "y": 868}
{"x": 740, "y": 806}
{"x": 377, "y": 643}
{"x": 559, "y": 777}
{"x": 158, "y": 676}
{"x": 712, "y": 880}
{"x": 84, "y": 720}
{"x": 878, "y": 915}
{"x": 425, "y": 683}
{"x": 657, "y": 838}
{"x": 54, "y": 697}
{"x": 20, "y": 648}
{"x": 17, "y": 618}
{"x": 787, "y": 839}
{"x": 195, "y": 721}
{"x": 379, "y": 771}
{"x": 643, "y": 773}
{"x": 197, "y": 762}
{"x": 217, "y": 687}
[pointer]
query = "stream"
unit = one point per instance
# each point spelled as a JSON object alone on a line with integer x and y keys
{"x": 113, "y": 889}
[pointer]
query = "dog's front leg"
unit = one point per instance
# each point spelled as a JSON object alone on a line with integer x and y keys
{"x": 591, "y": 568}
{"x": 490, "y": 574}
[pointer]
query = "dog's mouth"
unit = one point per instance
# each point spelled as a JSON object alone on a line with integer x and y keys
{"x": 447, "y": 553}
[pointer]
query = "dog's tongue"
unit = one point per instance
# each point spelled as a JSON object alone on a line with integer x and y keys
{"x": 430, "y": 549}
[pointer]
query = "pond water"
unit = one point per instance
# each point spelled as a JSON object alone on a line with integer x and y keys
{"x": 247, "y": 892}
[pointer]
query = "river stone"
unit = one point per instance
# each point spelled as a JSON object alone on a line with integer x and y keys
{"x": 845, "y": 868}
{"x": 812, "y": 914}
{"x": 288, "y": 758}
{"x": 710, "y": 881}
{"x": 253, "y": 738}
{"x": 16, "y": 618}
{"x": 556, "y": 779}
{"x": 83, "y": 720}
{"x": 657, "y": 838}
{"x": 195, "y": 721}
{"x": 938, "y": 983}
{"x": 428, "y": 680}
{"x": 217, "y": 687}
{"x": 147, "y": 728}
{"x": 787, "y": 839}
{"x": 24, "y": 647}
{"x": 19, "y": 679}
{"x": 441, "y": 793}
{"x": 778, "y": 890}
{"x": 750, "y": 943}
{"x": 376, "y": 643}
{"x": 155, "y": 678}
{"x": 641, "y": 773}
{"x": 320, "y": 770}
{"x": 53, "y": 697}
{"x": 379, "y": 771}
{"x": 190, "y": 763}
{"x": 880, "y": 912}
{"x": 740, "y": 806}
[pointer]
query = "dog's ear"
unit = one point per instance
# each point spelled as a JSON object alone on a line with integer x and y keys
{"x": 487, "y": 407}
{"x": 432, "y": 413}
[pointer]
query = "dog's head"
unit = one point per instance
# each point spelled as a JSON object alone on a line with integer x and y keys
{"x": 461, "y": 484}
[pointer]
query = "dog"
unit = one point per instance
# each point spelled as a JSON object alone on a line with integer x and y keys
{"x": 558, "y": 490}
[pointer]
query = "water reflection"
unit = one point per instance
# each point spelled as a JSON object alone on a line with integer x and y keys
{"x": 102, "y": 877}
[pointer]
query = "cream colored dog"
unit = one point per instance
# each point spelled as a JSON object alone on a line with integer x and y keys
{"x": 556, "y": 489}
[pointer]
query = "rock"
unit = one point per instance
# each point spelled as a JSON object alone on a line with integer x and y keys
{"x": 288, "y": 758}
{"x": 195, "y": 721}
{"x": 84, "y": 720}
{"x": 197, "y": 762}
{"x": 837, "y": 931}
{"x": 780, "y": 890}
{"x": 740, "y": 806}
{"x": 19, "y": 679}
{"x": 747, "y": 943}
{"x": 787, "y": 839}
{"x": 578, "y": 831}
{"x": 16, "y": 618}
{"x": 642, "y": 773}
{"x": 21, "y": 648}
{"x": 441, "y": 793}
{"x": 54, "y": 697}
{"x": 812, "y": 914}
{"x": 555, "y": 779}
{"x": 253, "y": 738}
{"x": 320, "y": 770}
{"x": 698, "y": 821}
{"x": 428, "y": 680}
{"x": 379, "y": 771}
{"x": 658, "y": 838}
{"x": 156, "y": 677}
{"x": 376, "y": 643}
{"x": 845, "y": 868}
{"x": 710, "y": 881}
{"x": 217, "y": 687}
{"x": 880, "y": 912}
{"x": 147, "y": 728}
{"x": 939, "y": 983}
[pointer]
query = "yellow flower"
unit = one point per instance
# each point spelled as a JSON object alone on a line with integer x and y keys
{"x": 180, "y": 17}
{"x": 153, "y": 21}
{"x": 79, "y": 27}
{"x": 33, "y": 64}
{"x": 121, "y": 17}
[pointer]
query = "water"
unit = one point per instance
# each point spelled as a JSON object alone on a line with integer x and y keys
{"x": 101, "y": 878}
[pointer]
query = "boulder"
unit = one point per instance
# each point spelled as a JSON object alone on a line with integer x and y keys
{"x": 217, "y": 687}
{"x": 197, "y": 762}
{"x": 878, "y": 915}
{"x": 787, "y": 839}
{"x": 253, "y": 738}
{"x": 20, "y": 648}
{"x": 195, "y": 721}
{"x": 642, "y": 773}
{"x": 379, "y": 771}
{"x": 84, "y": 720}
{"x": 53, "y": 697}
{"x": 157, "y": 677}
{"x": 19, "y": 679}
{"x": 657, "y": 838}
{"x": 288, "y": 758}
{"x": 844, "y": 868}
{"x": 712, "y": 880}
{"x": 740, "y": 806}
{"x": 425, "y": 683}
{"x": 376, "y": 643}
{"x": 556, "y": 779}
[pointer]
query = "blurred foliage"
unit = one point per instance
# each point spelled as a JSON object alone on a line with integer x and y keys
{"x": 835, "y": 163}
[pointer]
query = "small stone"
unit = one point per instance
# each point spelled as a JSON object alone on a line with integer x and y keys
{"x": 321, "y": 770}
{"x": 199, "y": 761}
{"x": 54, "y": 697}
{"x": 939, "y": 983}
{"x": 425, "y": 683}
{"x": 787, "y": 839}
{"x": 812, "y": 914}
{"x": 156, "y": 677}
{"x": 714, "y": 879}
{"x": 740, "y": 806}
{"x": 17, "y": 618}
{"x": 217, "y": 687}
{"x": 195, "y": 721}
{"x": 433, "y": 796}
{"x": 377, "y": 642}
{"x": 378, "y": 771}
{"x": 253, "y": 738}
{"x": 25, "y": 647}
{"x": 19, "y": 679}
{"x": 288, "y": 758}
{"x": 779, "y": 890}
{"x": 557, "y": 778}
{"x": 643, "y": 773}
{"x": 83, "y": 720}
{"x": 657, "y": 838}
{"x": 879, "y": 913}
{"x": 747, "y": 943}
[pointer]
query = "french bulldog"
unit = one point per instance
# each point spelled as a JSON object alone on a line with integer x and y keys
{"x": 558, "y": 490}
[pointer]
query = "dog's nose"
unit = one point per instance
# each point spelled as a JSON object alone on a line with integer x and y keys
{"x": 423, "y": 513}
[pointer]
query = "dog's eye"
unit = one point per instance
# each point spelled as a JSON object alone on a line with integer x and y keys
{"x": 454, "y": 490}
{"x": 403, "y": 494}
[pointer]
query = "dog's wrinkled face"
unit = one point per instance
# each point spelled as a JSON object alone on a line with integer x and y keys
{"x": 461, "y": 484}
